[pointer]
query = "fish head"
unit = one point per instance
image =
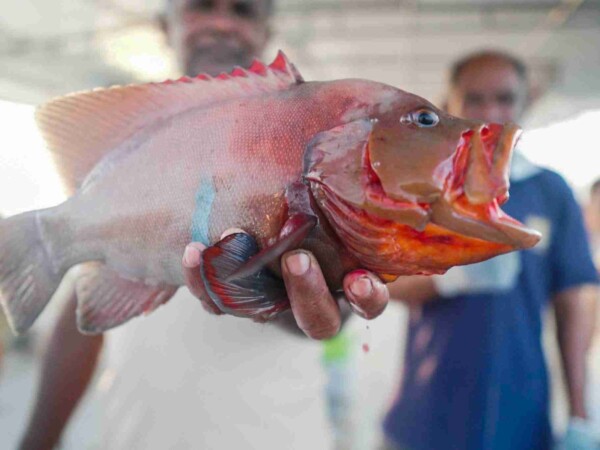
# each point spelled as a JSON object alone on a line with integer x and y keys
{"x": 416, "y": 190}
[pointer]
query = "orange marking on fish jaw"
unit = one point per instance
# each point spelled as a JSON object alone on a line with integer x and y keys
{"x": 390, "y": 248}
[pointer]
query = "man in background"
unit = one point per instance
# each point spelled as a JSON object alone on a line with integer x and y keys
{"x": 474, "y": 374}
{"x": 181, "y": 378}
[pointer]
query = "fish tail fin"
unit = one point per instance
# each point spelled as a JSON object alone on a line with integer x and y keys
{"x": 28, "y": 278}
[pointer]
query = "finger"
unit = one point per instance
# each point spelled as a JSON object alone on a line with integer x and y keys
{"x": 315, "y": 310}
{"x": 192, "y": 260}
{"x": 366, "y": 293}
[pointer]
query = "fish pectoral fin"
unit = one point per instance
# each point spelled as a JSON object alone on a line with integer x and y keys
{"x": 236, "y": 274}
{"x": 105, "y": 299}
{"x": 299, "y": 224}
{"x": 294, "y": 231}
{"x": 260, "y": 294}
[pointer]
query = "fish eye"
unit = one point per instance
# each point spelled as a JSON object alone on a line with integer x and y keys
{"x": 425, "y": 118}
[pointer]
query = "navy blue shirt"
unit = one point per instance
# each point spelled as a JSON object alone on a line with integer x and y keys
{"x": 474, "y": 374}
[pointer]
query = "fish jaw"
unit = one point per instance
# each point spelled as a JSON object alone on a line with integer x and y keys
{"x": 391, "y": 249}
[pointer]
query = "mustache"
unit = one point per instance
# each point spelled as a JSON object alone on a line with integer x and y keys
{"x": 213, "y": 61}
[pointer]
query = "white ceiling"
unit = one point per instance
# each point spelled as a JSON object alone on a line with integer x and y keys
{"x": 49, "y": 48}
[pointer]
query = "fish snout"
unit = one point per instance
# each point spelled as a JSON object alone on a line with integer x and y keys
{"x": 490, "y": 148}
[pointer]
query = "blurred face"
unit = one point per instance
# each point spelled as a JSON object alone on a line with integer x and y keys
{"x": 213, "y": 36}
{"x": 489, "y": 90}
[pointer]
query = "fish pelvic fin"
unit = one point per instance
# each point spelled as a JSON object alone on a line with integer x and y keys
{"x": 105, "y": 299}
{"x": 28, "y": 276}
{"x": 81, "y": 128}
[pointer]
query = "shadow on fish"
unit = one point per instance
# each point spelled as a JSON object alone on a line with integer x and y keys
{"x": 361, "y": 173}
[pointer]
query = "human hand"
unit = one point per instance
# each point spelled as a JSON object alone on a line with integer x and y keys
{"x": 315, "y": 310}
{"x": 579, "y": 436}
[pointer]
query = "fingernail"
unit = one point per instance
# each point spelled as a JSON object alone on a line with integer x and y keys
{"x": 362, "y": 287}
{"x": 231, "y": 231}
{"x": 298, "y": 263}
{"x": 191, "y": 257}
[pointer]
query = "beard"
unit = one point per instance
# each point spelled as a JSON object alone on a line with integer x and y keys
{"x": 214, "y": 53}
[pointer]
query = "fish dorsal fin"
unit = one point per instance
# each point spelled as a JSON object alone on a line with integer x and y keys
{"x": 81, "y": 128}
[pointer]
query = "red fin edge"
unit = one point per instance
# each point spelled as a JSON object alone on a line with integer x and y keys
{"x": 258, "y": 67}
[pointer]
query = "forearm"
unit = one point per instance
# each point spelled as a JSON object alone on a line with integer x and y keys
{"x": 413, "y": 290}
{"x": 575, "y": 311}
{"x": 67, "y": 368}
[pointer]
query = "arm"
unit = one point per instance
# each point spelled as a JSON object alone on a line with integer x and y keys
{"x": 575, "y": 312}
{"x": 575, "y": 293}
{"x": 67, "y": 368}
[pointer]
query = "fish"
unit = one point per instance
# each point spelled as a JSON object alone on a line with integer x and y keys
{"x": 361, "y": 173}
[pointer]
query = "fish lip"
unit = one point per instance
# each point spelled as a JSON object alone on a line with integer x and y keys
{"x": 488, "y": 222}
{"x": 456, "y": 211}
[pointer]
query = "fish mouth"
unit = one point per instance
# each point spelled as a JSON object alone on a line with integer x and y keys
{"x": 485, "y": 221}
{"x": 475, "y": 187}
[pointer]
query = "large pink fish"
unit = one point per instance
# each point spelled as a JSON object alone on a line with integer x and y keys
{"x": 361, "y": 173}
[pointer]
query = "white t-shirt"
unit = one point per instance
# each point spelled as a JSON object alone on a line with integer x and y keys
{"x": 181, "y": 378}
